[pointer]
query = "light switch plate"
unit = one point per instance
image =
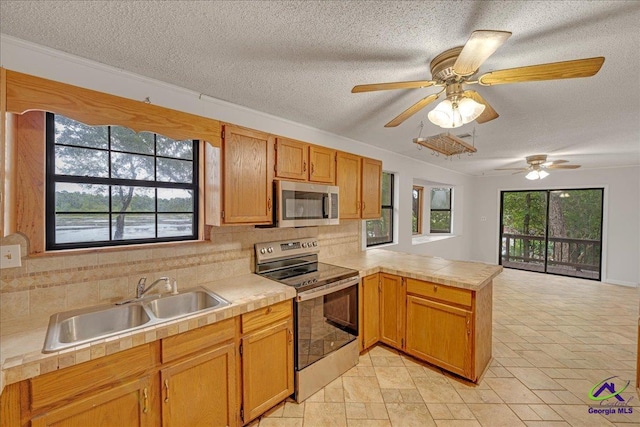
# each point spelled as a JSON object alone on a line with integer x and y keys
{"x": 10, "y": 256}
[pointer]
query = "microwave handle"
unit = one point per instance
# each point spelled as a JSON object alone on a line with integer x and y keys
{"x": 326, "y": 205}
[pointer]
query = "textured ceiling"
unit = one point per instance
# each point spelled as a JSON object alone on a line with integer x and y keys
{"x": 299, "y": 60}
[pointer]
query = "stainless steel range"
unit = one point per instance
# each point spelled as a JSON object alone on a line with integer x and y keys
{"x": 325, "y": 310}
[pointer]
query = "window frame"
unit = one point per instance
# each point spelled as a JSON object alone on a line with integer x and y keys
{"x": 418, "y": 215}
{"x": 51, "y": 178}
{"x": 450, "y": 210}
{"x": 384, "y": 207}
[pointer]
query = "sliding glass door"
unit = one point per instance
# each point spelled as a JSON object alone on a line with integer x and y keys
{"x": 552, "y": 231}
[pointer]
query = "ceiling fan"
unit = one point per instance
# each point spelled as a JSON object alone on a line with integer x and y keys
{"x": 455, "y": 68}
{"x": 537, "y": 165}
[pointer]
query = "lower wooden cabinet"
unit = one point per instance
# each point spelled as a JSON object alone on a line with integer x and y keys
{"x": 201, "y": 390}
{"x": 444, "y": 325}
{"x": 392, "y": 310}
{"x": 224, "y": 374}
{"x": 440, "y": 334}
{"x": 267, "y": 368}
{"x": 369, "y": 311}
{"x": 125, "y": 404}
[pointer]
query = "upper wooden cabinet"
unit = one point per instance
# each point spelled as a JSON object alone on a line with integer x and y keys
{"x": 239, "y": 178}
{"x": 305, "y": 162}
{"x": 360, "y": 182}
{"x": 322, "y": 164}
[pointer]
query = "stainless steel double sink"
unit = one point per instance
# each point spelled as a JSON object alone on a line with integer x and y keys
{"x": 76, "y": 327}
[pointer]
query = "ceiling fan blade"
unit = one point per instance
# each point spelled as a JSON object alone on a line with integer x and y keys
{"x": 557, "y": 70}
{"x": 412, "y": 110}
{"x": 394, "y": 85}
{"x": 563, "y": 167}
{"x": 521, "y": 171}
{"x": 555, "y": 162}
{"x": 489, "y": 113}
{"x": 478, "y": 48}
{"x": 511, "y": 169}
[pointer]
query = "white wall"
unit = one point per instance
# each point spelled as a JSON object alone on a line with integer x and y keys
{"x": 33, "y": 59}
{"x": 621, "y": 224}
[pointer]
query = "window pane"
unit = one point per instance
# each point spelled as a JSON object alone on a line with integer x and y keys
{"x": 133, "y": 199}
{"x": 124, "y": 139}
{"x": 78, "y": 161}
{"x": 170, "y": 170}
{"x": 175, "y": 200}
{"x": 70, "y": 132}
{"x": 380, "y": 230}
{"x": 387, "y": 184}
{"x": 171, "y": 225}
{"x": 417, "y": 202}
{"x": 71, "y": 228}
{"x": 131, "y": 166}
{"x": 81, "y": 198}
{"x": 441, "y": 221}
{"x": 170, "y": 148}
{"x": 441, "y": 198}
{"x": 132, "y": 226}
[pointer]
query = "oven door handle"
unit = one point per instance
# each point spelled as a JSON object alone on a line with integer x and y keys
{"x": 327, "y": 289}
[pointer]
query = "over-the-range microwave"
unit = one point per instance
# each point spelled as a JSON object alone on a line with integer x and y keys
{"x": 302, "y": 204}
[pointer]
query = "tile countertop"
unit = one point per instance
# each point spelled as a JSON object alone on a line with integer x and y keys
{"x": 21, "y": 354}
{"x": 460, "y": 274}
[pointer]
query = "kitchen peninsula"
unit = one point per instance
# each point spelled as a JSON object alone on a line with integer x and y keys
{"x": 434, "y": 309}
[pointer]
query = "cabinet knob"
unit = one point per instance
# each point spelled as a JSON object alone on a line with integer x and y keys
{"x": 269, "y": 203}
{"x": 304, "y": 167}
{"x": 364, "y": 206}
{"x": 269, "y": 310}
{"x": 145, "y": 403}
{"x": 166, "y": 386}
{"x": 312, "y": 168}
{"x": 435, "y": 288}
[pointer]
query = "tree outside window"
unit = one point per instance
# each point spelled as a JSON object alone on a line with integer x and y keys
{"x": 380, "y": 231}
{"x": 440, "y": 219}
{"x": 107, "y": 185}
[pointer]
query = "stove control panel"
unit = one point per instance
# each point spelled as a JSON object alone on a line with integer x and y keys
{"x": 286, "y": 249}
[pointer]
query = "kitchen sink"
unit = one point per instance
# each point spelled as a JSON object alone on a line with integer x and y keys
{"x": 185, "y": 303}
{"x": 76, "y": 327}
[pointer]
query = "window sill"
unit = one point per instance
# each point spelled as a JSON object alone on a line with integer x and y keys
{"x": 103, "y": 249}
{"x": 382, "y": 246}
{"x": 418, "y": 240}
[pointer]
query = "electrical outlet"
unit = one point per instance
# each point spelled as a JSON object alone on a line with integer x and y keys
{"x": 483, "y": 218}
{"x": 10, "y": 256}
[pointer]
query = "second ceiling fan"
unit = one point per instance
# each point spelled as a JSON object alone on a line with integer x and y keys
{"x": 455, "y": 68}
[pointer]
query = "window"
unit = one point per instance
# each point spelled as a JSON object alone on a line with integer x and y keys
{"x": 416, "y": 225}
{"x": 107, "y": 185}
{"x": 440, "y": 210}
{"x": 380, "y": 231}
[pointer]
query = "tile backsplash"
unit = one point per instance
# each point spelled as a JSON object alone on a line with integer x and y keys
{"x": 46, "y": 284}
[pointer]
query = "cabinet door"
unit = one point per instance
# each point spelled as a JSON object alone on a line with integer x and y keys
{"x": 248, "y": 176}
{"x": 370, "y": 310}
{"x": 440, "y": 334}
{"x": 322, "y": 164}
{"x": 291, "y": 159}
{"x": 371, "y": 188}
{"x": 267, "y": 368}
{"x": 200, "y": 391}
{"x": 125, "y": 404}
{"x": 348, "y": 179}
{"x": 392, "y": 309}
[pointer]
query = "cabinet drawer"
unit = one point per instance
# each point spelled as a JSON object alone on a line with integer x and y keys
{"x": 440, "y": 292}
{"x": 258, "y": 318}
{"x": 72, "y": 381}
{"x": 189, "y": 342}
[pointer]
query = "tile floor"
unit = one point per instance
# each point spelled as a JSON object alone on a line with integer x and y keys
{"x": 554, "y": 338}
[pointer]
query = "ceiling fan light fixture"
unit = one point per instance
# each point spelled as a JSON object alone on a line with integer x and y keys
{"x": 537, "y": 174}
{"x": 454, "y": 114}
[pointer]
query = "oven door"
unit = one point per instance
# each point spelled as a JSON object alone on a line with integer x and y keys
{"x": 326, "y": 320}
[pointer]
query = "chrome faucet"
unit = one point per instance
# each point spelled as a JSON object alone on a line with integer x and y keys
{"x": 141, "y": 290}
